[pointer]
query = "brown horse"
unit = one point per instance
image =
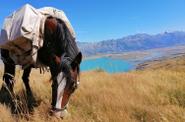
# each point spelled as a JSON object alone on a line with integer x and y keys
{"x": 61, "y": 55}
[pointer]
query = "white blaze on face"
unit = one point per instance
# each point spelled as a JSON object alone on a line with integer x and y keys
{"x": 61, "y": 86}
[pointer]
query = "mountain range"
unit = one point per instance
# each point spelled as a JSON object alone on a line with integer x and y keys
{"x": 135, "y": 42}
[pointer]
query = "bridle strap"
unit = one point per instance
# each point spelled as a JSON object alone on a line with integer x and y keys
{"x": 59, "y": 109}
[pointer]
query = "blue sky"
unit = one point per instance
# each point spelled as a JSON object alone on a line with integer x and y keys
{"x": 96, "y": 20}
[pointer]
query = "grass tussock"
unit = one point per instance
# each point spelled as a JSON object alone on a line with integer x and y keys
{"x": 138, "y": 96}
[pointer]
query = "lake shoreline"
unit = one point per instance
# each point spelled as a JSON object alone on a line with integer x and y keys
{"x": 137, "y": 58}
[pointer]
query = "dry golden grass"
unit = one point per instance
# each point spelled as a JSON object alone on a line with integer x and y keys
{"x": 138, "y": 96}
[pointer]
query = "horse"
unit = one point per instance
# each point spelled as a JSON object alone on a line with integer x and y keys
{"x": 61, "y": 54}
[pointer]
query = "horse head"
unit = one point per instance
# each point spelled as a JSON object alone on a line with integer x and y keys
{"x": 67, "y": 84}
{"x": 65, "y": 69}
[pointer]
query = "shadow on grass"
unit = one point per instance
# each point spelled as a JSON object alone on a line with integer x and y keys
{"x": 21, "y": 104}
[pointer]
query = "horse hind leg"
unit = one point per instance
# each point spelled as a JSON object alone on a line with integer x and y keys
{"x": 25, "y": 79}
{"x": 31, "y": 102}
{"x": 8, "y": 78}
{"x": 6, "y": 92}
{"x": 9, "y": 70}
{"x": 7, "y": 95}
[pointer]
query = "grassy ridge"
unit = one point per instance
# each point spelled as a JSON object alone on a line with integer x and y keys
{"x": 176, "y": 63}
{"x": 138, "y": 96}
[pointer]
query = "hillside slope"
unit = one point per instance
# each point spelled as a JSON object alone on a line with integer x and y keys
{"x": 174, "y": 62}
{"x": 155, "y": 94}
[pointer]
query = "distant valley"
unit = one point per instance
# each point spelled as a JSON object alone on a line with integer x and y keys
{"x": 138, "y": 42}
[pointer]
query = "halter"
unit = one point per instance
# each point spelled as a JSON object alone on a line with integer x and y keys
{"x": 74, "y": 82}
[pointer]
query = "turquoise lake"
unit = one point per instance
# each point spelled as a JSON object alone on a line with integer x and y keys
{"x": 108, "y": 64}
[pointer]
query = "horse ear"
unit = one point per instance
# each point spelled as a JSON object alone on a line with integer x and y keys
{"x": 79, "y": 58}
{"x": 76, "y": 61}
